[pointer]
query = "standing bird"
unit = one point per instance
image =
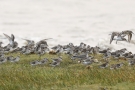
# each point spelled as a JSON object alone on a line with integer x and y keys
{"x": 119, "y": 37}
{"x": 33, "y": 63}
{"x": 88, "y": 61}
{"x": 11, "y": 39}
{"x": 56, "y": 61}
{"x": 131, "y": 62}
{"x": 113, "y": 35}
{"x": 116, "y": 66}
{"x": 42, "y": 43}
{"x": 44, "y": 61}
{"x": 30, "y": 43}
{"x": 16, "y": 59}
{"x": 104, "y": 65}
{"x": 129, "y": 33}
{"x": 3, "y": 60}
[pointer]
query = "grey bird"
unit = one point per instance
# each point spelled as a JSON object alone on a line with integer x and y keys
{"x": 27, "y": 51}
{"x": 3, "y": 60}
{"x": 9, "y": 58}
{"x": 104, "y": 65}
{"x": 107, "y": 55}
{"x": 81, "y": 56}
{"x": 128, "y": 33}
{"x": 44, "y": 61}
{"x": 131, "y": 62}
{"x": 33, "y": 63}
{"x": 116, "y": 66}
{"x": 113, "y": 35}
{"x": 127, "y": 55}
{"x": 40, "y": 52}
{"x": 42, "y": 42}
{"x": 104, "y": 51}
{"x": 55, "y": 64}
{"x": 11, "y": 39}
{"x": 117, "y": 56}
{"x": 2, "y": 55}
{"x": 16, "y": 59}
{"x": 55, "y": 48}
{"x": 130, "y": 56}
{"x": 119, "y": 65}
{"x": 87, "y": 61}
{"x": 123, "y": 50}
{"x": 59, "y": 50}
{"x": 59, "y": 59}
{"x": 56, "y": 61}
{"x": 30, "y": 43}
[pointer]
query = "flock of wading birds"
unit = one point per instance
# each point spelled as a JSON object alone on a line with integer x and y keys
{"x": 84, "y": 54}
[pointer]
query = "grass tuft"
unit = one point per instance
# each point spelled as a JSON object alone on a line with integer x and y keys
{"x": 70, "y": 75}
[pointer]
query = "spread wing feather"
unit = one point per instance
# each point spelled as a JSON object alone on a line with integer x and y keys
{"x": 8, "y": 37}
{"x": 112, "y": 37}
{"x": 12, "y": 37}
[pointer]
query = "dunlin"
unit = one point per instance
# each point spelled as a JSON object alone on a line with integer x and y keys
{"x": 119, "y": 65}
{"x": 33, "y": 63}
{"x": 113, "y": 35}
{"x": 55, "y": 64}
{"x": 129, "y": 33}
{"x": 107, "y": 55}
{"x": 16, "y": 59}
{"x": 131, "y": 56}
{"x": 104, "y": 51}
{"x": 3, "y": 60}
{"x": 104, "y": 65}
{"x": 9, "y": 58}
{"x": 11, "y": 39}
{"x": 56, "y": 61}
{"x": 127, "y": 54}
{"x": 30, "y": 43}
{"x": 131, "y": 62}
{"x": 44, "y": 61}
{"x": 42, "y": 42}
{"x": 87, "y": 61}
{"x": 81, "y": 57}
{"x": 59, "y": 59}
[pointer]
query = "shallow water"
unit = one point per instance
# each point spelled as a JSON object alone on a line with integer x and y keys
{"x": 88, "y": 21}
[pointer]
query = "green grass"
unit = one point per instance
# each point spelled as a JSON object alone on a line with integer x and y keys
{"x": 68, "y": 76}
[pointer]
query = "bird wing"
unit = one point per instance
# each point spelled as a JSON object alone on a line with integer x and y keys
{"x": 8, "y": 37}
{"x": 41, "y": 42}
{"x": 28, "y": 41}
{"x": 132, "y": 33}
{"x": 129, "y": 37}
{"x": 112, "y": 37}
{"x": 123, "y": 35}
{"x": 12, "y": 37}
